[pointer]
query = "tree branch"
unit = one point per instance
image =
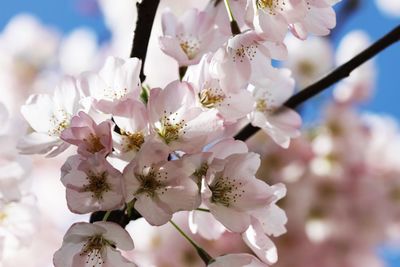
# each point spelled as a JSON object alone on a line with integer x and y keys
{"x": 336, "y": 75}
{"x": 146, "y": 12}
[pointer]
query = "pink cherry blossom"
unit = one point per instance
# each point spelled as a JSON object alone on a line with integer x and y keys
{"x": 245, "y": 58}
{"x": 48, "y": 117}
{"x": 176, "y": 120}
{"x": 94, "y": 244}
{"x": 92, "y": 184}
{"x": 281, "y": 125}
{"x": 319, "y": 18}
{"x": 132, "y": 120}
{"x": 188, "y": 39}
{"x": 160, "y": 187}
{"x": 234, "y": 191}
{"x": 272, "y": 18}
{"x": 91, "y": 138}
{"x": 237, "y": 260}
{"x": 117, "y": 81}
{"x": 231, "y": 105}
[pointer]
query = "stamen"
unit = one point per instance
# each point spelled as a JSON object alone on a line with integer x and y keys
{"x": 132, "y": 141}
{"x": 225, "y": 191}
{"x": 98, "y": 184}
{"x": 210, "y": 97}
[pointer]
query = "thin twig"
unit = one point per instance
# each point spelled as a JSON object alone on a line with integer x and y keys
{"x": 336, "y": 75}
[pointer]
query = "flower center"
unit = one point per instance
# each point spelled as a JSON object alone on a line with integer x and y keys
{"x": 189, "y": 45}
{"x": 59, "y": 120}
{"x": 93, "y": 143}
{"x": 170, "y": 128}
{"x": 132, "y": 141}
{"x": 225, "y": 191}
{"x": 150, "y": 182}
{"x": 115, "y": 94}
{"x": 249, "y": 51}
{"x": 210, "y": 97}
{"x": 94, "y": 248}
{"x": 306, "y": 68}
{"x": 3, "y": 216}
{"x": 97, "y": 184}
{"x": 270, "y": 5}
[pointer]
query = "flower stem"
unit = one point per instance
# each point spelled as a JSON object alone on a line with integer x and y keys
{"x": 207, "y": 259}
{"x": 106, "y": 215}
{"x": 234, "y": 26}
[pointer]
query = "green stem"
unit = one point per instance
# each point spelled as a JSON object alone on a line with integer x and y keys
{"x": 207, "y": 259}
{"x": 106, "y": 215}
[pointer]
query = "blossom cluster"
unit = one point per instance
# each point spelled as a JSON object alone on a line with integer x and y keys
{"x": 158, "y": 151}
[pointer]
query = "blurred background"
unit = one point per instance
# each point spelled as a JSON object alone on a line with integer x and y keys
{"x": 42, "y": 40}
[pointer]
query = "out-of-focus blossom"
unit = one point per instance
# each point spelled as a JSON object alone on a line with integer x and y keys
{"x": 358, "y": 87}
{"x": 78, "y": 52}
{"x": 94, "y": 244}
{"x": 389, "y": 7}
{"x": 308, "y": 60}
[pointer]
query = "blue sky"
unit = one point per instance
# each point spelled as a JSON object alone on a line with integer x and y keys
{"x": 64, "y": 15}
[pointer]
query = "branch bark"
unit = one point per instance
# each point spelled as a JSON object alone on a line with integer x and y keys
{"x": 336, "y": 75}
{"x": 146, "y": 12}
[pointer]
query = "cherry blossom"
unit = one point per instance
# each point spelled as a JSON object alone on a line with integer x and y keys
{"x": 159, "y": 187}
{"x": 88, "y": 136}
{"x": 282, "y": 124}
{"x": 92, "y": 184}
{"x": 246, "y": 58}
{"x": 48, "y": 117}
{"x": 132, "y": 121}
{"x": 188, "y": 39}
{"x": 233, "y": 192}
{"x": 94, "y": 244}
{"x": 117, "y": 81}
{"x": 231, "y": 105}
{"x": 176, "y": 120}
{"x": 272, "y": 18}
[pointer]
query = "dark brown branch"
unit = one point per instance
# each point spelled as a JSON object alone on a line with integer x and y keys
{"x": 344, "y": 70}
{"x": 338, "y": 74}
{"x": 146, "y": 11}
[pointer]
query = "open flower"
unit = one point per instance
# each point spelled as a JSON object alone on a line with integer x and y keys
{"x": 187, "y": 40}
{"x": 271, "y": 18}
{"x": 231, "y": 105}
{"x": 132, "y": 121}
{"x": 92, "y": 184}
{"x": 48, "y": 117}
{"x": 90, "y": 137}
{"x": 245, "y": 58}
{"x": 94, "y": 244}
{"x": 282, "y": 124}
{"x": 176, "y": 120}
{"x": 160, "y": 187}
{"x": 117, "y": 81}
{"x": 234, "y": 191}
